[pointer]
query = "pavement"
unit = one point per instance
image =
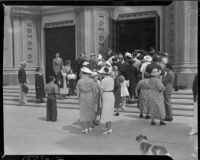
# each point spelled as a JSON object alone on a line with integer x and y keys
{"x": 27, "y": 132}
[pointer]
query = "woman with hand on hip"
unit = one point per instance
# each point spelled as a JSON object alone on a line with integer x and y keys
{"x": 108, "y": 99}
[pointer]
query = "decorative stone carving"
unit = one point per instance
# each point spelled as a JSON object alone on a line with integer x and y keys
{"x": 137, "y": 15}
{"x": 59, "y": 24}
{"x": 101, "y": 32}
{"x": 32, "y": 12}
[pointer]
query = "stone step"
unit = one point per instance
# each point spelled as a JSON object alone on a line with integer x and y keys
{"x": 75, "y": 106}
{"x": 75, "y": 102}
{"x": 174, "y": 101}
{"x": 32, "y": 93}
{"x": 32, "y": 88}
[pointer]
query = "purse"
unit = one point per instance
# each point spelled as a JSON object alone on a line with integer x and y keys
{"x": 25, "y": 88}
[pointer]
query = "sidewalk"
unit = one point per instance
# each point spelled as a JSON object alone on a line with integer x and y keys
{"x": 27, "y": 132}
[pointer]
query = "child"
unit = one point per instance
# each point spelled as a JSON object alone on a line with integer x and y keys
{"x": 124, "y": 90}
{"x": 71, "y": 82}
{"x": 39, "y": 86}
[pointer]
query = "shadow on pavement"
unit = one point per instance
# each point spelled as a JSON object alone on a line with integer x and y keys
{"x": 42, "y": 118}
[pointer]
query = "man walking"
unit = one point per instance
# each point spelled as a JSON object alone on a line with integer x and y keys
{"x": 22, "y": 82}
{"x": 168, "y": 81}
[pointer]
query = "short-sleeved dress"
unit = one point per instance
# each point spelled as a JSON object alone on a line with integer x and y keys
{"x": 143, "y": 87}
{"x": 86, "y": 94}
{"x": 156, "y": 100}
{"x": 124, "y": 89}
{"x": 108, "y": 99}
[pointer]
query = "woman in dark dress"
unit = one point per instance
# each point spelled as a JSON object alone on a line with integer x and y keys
{"x": 132, "y": 77}
{"x": 39, "y": 86}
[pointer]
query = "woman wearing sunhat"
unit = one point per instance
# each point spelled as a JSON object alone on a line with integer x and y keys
{"x": 156, "y": 100}
{"x": 147, "y": 60}
{"x": 108, "y": 99}
{"x": 85, "y": 89}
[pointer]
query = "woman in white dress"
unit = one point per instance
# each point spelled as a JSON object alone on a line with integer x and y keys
{"x": 64, "y": 90}
{"x": 124, "y": 90}
{"x": 108, "y": 99}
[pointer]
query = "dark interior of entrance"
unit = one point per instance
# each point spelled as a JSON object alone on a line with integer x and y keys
{"x": 137, "y": 34}
{"x": 61, "y": 40}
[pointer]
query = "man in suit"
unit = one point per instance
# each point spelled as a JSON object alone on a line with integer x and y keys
{"x": 168, "y": 81}
{"x": 22, "y": 82}
{"x": 57, "y": 66}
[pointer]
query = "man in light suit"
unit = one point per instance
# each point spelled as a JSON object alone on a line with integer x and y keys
{"x": 168, "y": 81}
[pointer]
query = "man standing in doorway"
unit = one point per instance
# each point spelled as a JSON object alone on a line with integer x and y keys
{"x": 22, "y": 82}
{"x": 57, "y": 66}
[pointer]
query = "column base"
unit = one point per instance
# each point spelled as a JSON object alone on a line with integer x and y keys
{"x": 185, "y": 79}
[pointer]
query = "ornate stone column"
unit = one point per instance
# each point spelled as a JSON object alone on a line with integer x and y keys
{"x": 186, "y": 19}
{"x": 181, "y": 39}
{"x": 24, "y": 22}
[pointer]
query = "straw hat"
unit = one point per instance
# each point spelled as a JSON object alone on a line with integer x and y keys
{"x": 148, "y": 58}
{"x": 85, "y": 63}
{"x": 127, "y": 54}
{"x": 94, "y": 74}
{"x": 155, "y": 72}
{"x": 120, "y": 56}
{"x": 105, "y": 70}
{"x": 108, "y": 64}
{"x": 99, "y": 57}
{"x": 86, "y": 70}
{"x": 23, "y": 63}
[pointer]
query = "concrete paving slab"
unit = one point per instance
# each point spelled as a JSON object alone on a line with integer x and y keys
{"x": 27, "y": 132}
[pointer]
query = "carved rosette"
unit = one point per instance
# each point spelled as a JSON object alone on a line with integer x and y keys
{"x": 101, "y": 33}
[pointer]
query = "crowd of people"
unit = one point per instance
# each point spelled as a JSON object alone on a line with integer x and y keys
{"x": 104, "y": 82}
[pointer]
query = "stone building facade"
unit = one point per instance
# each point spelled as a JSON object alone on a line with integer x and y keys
{"x": 25, "y": 29}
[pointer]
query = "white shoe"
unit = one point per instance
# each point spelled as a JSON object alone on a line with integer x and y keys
{"x": 108, "y": 132}
{"x": 90, "y": 129}
{"x": 85, "y": 131}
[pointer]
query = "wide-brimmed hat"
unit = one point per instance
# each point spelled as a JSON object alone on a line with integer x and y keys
{"x": 23, "y": 62}
{"x": 120, "y": 56}
{"x": 108, "y": 64}
{"x": 155, "y": 72}
{"x": 85, "y": 63}
{"x": 148, "y": 58}
{"x": 92, "y": 54}
{"x": 94, "y": 74}
{"x": 86, "y": 70}
{"x": 105, "y": 70}
{"x": 127, "y": 54}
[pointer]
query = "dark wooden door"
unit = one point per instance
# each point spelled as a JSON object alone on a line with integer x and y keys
{"x": 61, "y": 40}
{"x": 115, "y": 36}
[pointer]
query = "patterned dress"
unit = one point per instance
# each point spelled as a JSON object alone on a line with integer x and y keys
{"x": 107, "y": 85}
{"x": 156, "y": 100}
{"x": 144, "y": 93}
{"x": 86, "y": 94}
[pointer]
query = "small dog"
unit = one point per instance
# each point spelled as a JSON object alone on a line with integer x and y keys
{"x": 150, "y": 149}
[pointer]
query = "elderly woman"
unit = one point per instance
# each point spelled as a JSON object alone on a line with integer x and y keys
{"x": 156, "y": 100}
{"x": 85, "y": 89}
{"x": 108, "y": 99}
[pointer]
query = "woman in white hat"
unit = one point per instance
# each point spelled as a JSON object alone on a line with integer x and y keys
{"x": 156, "y": 100}
{"x": 147, "y": 60}
{"x": 85, "y": 89}
{"x": 108, "y": 99}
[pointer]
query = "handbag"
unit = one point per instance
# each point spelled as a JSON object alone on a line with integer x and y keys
{"x": 25, "y": 88}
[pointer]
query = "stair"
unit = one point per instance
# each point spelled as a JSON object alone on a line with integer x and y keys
{"x": 182, "y": 101}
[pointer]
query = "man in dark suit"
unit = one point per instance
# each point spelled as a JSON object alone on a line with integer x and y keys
{"x": 22, "y": 82}
{"x": 168, "y": 81}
